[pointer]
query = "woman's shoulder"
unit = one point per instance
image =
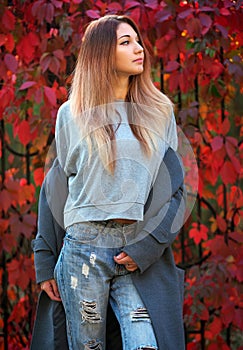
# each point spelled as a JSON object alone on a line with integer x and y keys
{"x": 64, "y": 109}
{"x": 63, "y": 115}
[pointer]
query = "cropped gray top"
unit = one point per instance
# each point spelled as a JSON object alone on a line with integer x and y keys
{"x": 94, "y": 193}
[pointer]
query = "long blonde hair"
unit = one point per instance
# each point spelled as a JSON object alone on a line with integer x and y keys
{"x": 92, "y": 87}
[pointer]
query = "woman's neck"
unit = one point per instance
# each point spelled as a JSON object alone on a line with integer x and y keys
{"x": 121, "y": 88}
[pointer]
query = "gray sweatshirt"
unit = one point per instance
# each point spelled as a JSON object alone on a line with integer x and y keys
{"x": 94, "y": 193}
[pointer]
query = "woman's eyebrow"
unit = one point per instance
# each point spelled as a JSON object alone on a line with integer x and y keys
{"x": 126, "y": 35}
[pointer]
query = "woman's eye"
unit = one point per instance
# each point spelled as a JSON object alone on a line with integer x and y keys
{"x": 125, "y": 42}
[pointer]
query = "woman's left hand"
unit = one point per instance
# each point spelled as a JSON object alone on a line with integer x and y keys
{"x": 124, "y": 259}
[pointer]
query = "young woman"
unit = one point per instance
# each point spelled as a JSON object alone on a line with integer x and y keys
{"x": 111, "y": 138}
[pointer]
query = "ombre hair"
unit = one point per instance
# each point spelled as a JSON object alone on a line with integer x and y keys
{"x": 92, "y": 96}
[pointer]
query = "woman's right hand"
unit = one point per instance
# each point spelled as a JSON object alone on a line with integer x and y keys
{"x": 51, "y": 289}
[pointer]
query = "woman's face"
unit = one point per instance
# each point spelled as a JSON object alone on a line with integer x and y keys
{"x": 129, "y": 52}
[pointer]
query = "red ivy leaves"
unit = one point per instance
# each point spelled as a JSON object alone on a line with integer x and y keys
{"x": 20, "y": 271}
{"x": 23, "y": 131}
{"x": 44, "y": 11}
{"x": 53, "y": 61}
{"x": 8, "y": 20}
{"x": 198, "y": 232}
{"x": 38, "y": 176}
{"x": 27, "y": 46}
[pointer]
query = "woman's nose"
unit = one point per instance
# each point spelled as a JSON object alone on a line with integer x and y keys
{"x": 138, "y": 47}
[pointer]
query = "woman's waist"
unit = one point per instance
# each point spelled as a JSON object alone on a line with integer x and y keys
{"x": 120, "y": 214}
{"x": 123, "y": 221}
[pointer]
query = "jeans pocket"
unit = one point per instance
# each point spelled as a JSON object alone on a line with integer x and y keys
{"x": 82, "y": 233}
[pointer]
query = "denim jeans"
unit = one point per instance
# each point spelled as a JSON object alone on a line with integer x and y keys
{"x": 88, "y": 277}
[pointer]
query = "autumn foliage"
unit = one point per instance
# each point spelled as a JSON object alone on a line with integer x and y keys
{"x": 197, "y": 60}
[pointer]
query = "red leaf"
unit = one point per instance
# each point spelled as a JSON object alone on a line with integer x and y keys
{"x": 204, "y": 314}
{"x": 219, "y": 344}
{"x": 26, "y": 194}
{"x": 34, "y": 39}
{"x": 93, "y": 14}
{"x": 38, "y": 176}
{"x": 228, "y": 173}
{"x": 23, "y": 225}
{"x": 27, "y": 85}
{"x": 59, "y": 54}
{"x": 230, "y": 146}
{"x": 3, "y": 39}
{"x": 223, "y": 30}
{"x": 27, "y": 225}
{"x": 237, "y": 236}
{"x": 38, "y": 10}
{"x": 25, "y": 49}
{"x": 218, "y": 246}
{"x": 11, "y": 62}
{"x": 225, "y": 126}
{"x": 49, "y": 12}
{"x": 239, "y": 271}
{"x": 171, "y": 66}
{"x": 184, "y": 81}
{"x": 131, "y": 4}
{"x": 174, "y": 81}
{"x": 225, "y": 12}
{"x": 9, "y": 44}
{"x": 20, "y": 272}
{"x": 194, "y": 27}
{"x": 58, "y": 4}
{"x": 238, "y": 319}
{"x": 236, "y": 163}
{"x": 5, "y": 200}
{"x": 24, "y": 133}
{"x": 198, "y": 232}
{"x": 8, "y": 20}
{"x": 163, "y": 15}
{"x": 9, "y": 242}
{"x": 227, "y": 313}
{"x": 217, "y": 143}
{"x": 222, "y": 225}
{"x": 151, "y": 4}
{"x": 3, "y": 225}
{"x": 206, "y": 22}
{"x": 186, "y": 13}
{"x": 206, "y": 9}
{"x": 20, "y": 311}
{"x": 216, "y": 325}
{"x": 54, "y": 65}
{"x": 50, "y": 95}
{"x": 6, "y": 98}
{"x": 114, "y": 6}
{"x": 45, "y": 61}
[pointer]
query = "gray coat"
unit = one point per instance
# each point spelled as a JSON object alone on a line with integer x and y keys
{"x": 158, "y": 280}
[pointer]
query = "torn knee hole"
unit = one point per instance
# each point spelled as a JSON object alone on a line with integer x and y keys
{"x": 89, "y": 312}
{"x": 93, "y": 345}
{"x": 147, "y": 348}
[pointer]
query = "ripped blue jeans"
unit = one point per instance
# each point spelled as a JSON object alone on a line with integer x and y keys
{"x": 88, "y": 277}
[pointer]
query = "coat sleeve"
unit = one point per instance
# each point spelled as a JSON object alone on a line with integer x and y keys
{"x": 165, "y": 214}
{"x": 44, "y": 252}
{"x": 50, "y": 232}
